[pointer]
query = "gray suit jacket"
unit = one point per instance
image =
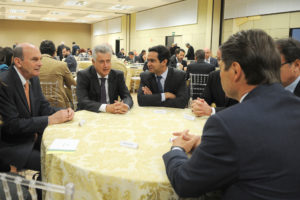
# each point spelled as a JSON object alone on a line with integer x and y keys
{"x": 175, "y": 83}
{"x": 88, "y": 89}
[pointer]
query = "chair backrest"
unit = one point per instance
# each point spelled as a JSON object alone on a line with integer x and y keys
{"x": 50, "y": 91}
{"x": 116, "y": 64}
{"x": 197, "y": 84}
{"x": 67, "y": 190}
{"x": 74, "y": 97}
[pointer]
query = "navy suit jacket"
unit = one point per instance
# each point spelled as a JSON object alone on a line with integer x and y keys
{"x": 173, "y": 62}
{"x": 200, "y": 67}
{"x": 71, "y": 62}
{"x": 89, "y": 91}
{"x": 249, "y": 150}
{"x": 175, "y": 83}
{"x": 297, "y": 90}
{"x": 213, "y": 92}
{"x": 213, "y": 62}
{"x": 20, "y": 124}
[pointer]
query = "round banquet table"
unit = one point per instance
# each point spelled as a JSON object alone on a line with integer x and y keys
{"x": 101, "y": 168}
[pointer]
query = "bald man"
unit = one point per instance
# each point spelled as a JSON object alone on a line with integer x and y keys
{"x": 209, "y": 59}
{"x": 25, "y": 111}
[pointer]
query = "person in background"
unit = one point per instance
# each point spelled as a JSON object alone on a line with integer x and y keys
{"x": 177, "y": 61}
{"x": 69, "y": 59}
{"x": 3, "y": 65}
{"x": 121, "y": 54}
{"x": 131, "y": 58}
{"x": 59, "y": 50}
{"x": 142, "y": 56}
{"x": 75, "y": 47}
{"x": 83, "y": 55}
{"x": 99, "y": 86}
{"x": 55, "y": 70}
{"x": 190, "y": 53}
{"x": 209, "y": 59}
{"x": 246, "y": 151}
{"x": 290, "y": 64}
{"x": 162, "y": 85}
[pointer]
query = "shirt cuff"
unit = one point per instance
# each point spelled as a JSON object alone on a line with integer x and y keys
{"x": 103, "y": 108}
{"x": 213, "y": 111}
{"x": 163, "y": 97}
{"x": 173, "y": 148}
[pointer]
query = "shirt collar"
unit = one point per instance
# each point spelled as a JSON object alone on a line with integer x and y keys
{"x": 291, "y": 87}
{"x": 164, "y": 75}
{"x": 243, "y": 97}
{"x": 99, "y": 76}
{"x": 23, "y": 80}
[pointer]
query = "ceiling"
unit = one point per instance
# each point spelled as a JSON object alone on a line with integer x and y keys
{"x": 75, "y": 11}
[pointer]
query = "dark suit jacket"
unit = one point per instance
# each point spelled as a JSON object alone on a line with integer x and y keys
{"x": 200, "y": 67}
{"x": 190, "y": 53}
{"x": 213, "y": 62}
{"x": 74, "y": 49}
{"x": 120, "y": 55}
{"x": 297, "y": 90}
{"x": 173, "y": 62}
{"x": 71, "y": 62}
{"x": 20, "y": 124}
{"x": 134, "y": 60}
{"x": 213, "y": 92}
{"x": 88, "y": 89}
{"x": 175, "y": 83}
{"x": 249, "y": 150}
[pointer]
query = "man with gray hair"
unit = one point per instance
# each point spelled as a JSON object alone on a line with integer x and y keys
{"x": 99, "y": 86}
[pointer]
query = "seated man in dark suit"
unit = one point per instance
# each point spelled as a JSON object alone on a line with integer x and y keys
{"x": 69, "y": 59}
{"x": 247, "y": 150}
{"x": 162, "y": 85}
{"x": 142, "y": 56}
{"x": 209, "y": 59}
{"x": 177, "y": 61}
{"x": 25, "y": 111}
{"x": 290, "y": 64}
{"x": 99, "y": 86}
{"x": 131, "y": 58}
{"x": 199, "y": 67}
{"x": 121, "y": 53}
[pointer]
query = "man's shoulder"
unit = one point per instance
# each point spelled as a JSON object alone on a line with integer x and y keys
{"x": 47, "y": 60}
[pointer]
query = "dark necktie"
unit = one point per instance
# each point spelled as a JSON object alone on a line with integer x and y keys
{"x": 160, "y": 88}
{"x": 103, "y": 91}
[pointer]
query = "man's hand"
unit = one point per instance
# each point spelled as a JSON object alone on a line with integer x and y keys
{"x": 201, "y": 108}
{"x": 170, "y": 95}
{"x": 61, "y": 116}
{"x": 146, "y": 90}
{"x": 186, "y": 140}
{"x": 117, "y": 108}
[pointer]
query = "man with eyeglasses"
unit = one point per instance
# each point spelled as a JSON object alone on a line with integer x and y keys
{"x": 290, "y": 64}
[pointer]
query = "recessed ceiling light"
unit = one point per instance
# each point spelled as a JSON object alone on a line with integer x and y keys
{"x": 17, "y": 11}
{"x": 26, "y": 1}
{"x": 75, "y": 3}
{"x": 58, "y": 13}
{"x": 80, "y": 21}
{"x": 15, "y": 17}
{"x": 120, "y": 7}
{"x": 49, "y": 18}
{"x": 93, "y": 16}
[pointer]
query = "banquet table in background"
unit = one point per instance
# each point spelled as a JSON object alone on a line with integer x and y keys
{"x": 101, "y": 168}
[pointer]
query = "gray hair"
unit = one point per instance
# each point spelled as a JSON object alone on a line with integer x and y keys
{"x": 103, "y": 48}
{"x": 18, "y": 52}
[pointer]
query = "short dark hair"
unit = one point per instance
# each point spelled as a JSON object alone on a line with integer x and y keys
{"x": 73, "y": 42}
{"x": 289, "y": 48}
{"x": 47, "y": 47}
{"x": 67, "y": 48}
{"x": 257, "y": 55}
{"x": 8, "y": 54}
{"x": 162, "y": 51}
{"x": 177, "y": 51}
{"x": 200, "y": 54}
{"x": 130, "y": 53}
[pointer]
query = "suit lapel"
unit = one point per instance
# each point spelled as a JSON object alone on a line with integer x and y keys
{"x": 152, "y": 81}
{"x": 168, "y": 81}
{"x": 95, "y": 82}
{"x": 111, "y": 85}
{"x": 20, "y": 88}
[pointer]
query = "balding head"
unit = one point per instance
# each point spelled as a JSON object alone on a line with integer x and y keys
{"x": 27, "y": 59}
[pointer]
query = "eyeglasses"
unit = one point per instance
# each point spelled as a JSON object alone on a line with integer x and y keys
{"x": 285, "y": 63}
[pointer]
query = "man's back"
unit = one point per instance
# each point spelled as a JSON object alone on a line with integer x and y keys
{"x": 200, "y": 67}
{"x": 54, "y": 70}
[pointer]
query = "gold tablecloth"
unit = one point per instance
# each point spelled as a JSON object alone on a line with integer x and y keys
{"x": 101, "y": 168}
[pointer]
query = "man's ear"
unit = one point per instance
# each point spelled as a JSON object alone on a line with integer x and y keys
{"x": 237, "y": 70}
{"x": 17, "y": 62}
{"x": 164, "y": 62}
